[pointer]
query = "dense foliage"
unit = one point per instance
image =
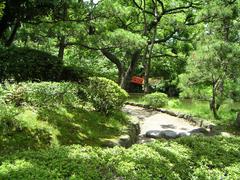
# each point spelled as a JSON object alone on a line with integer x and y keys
{"x": 39, "y": 94}
{"x": 105, "y": 95}
{"x": 64, "y": 69}
{"x": 23, "y": 64}
{"x": 187, "y": 158}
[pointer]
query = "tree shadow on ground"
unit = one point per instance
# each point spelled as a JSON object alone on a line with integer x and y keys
{"x": 77, "y": 126}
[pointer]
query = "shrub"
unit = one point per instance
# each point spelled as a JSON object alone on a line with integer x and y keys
{"x": 156, "y": 100}
{"x": 40, "y": 94}
{"x": 74, "y": 74}
{"x": 105, "y": 95}
{"x": 185, "y": 158}
{"x": 22, "y": 64}
{"x": 174, "y": 103}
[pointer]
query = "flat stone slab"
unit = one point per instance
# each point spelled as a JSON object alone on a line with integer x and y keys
{"x": 167, "y": 134}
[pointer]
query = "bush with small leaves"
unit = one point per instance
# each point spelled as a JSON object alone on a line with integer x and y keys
{"x": 105, "y": 95}
{"x": 185, "y": 158}
{"x": 40, "y": 94}
{"x": 156, "y": 99}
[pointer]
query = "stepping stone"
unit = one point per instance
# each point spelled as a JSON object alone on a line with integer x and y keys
{"x": 166, "y": 134}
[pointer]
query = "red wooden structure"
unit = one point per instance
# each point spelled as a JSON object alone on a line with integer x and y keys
{"x": 137, "y": 80}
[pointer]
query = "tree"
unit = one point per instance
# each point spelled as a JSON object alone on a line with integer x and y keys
{"x": 214, "y": 63}
{"x": 129, "y": 36}
{"x": 216, "y": 59}
{"x": 17, "y": 12}
{"x": 126, "y": 33}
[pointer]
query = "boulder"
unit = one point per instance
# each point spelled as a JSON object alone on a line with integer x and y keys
{"x": 182, "y": 134}
{"x": 157, "y": 134}
{"x": 171, "y": 113}
{"x": 180, "y": 115}
{"x": 154, "y": 134}
{"x": 168, "y": 134}
{"x": 199, "y": 130}
{"x": 110, "y": 143}
{"x": 125, "y": 140}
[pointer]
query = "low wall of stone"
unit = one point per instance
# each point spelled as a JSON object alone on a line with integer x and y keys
{"x": 129, "y": 137}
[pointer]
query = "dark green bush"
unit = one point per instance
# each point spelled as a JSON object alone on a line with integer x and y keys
{"x": 105, "y": 95}
{"x": 22, "y": 64}
{"x": 156, "y": 100}
{"x": 73, "y": 74}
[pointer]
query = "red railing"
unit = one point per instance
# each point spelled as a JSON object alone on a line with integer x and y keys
{"x": 137, "y": 80}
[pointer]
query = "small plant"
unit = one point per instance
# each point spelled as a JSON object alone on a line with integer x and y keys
{"x": 174, "y": 103}
{"x": 156, "y": 99}
{"x": 105, "y": 95}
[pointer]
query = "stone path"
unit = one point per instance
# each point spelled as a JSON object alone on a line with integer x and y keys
{"x": 155, "y": 124}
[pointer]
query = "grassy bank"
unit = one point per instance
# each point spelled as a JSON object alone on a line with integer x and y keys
{"x": 30, "y": 129}
{"x": 43, "y": 115}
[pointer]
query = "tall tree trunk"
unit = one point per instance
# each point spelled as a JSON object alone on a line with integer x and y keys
{"x": 62, "y": 38}
{"x": 146, "y": 72}
{"x": 213, "y": 100}
{"x": 125, "y": 82}
{"x": 120, "y": 67}
{"x": 221, "y": 91}
{"x": 62, "y": 46}
{"x": 238, "y": 119}
{"x": 13, "y": 34}
{"x": 147, "y": 63}
{"x": 149, "y": 51}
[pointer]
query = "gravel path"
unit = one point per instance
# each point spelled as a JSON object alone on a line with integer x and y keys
{"x": 154, "y": 121}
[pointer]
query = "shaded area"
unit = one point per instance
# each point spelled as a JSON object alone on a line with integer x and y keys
{"x": 50, "y": 127}
{"x": 77, "y": 126}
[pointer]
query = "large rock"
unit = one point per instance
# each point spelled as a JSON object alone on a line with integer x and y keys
{"x": 199, "y": 131}
{"x": 171, "y": 113}
{"x": 170, "y": 134}
{"x": 125, "y": 140}
{"x": 157, "y": 134}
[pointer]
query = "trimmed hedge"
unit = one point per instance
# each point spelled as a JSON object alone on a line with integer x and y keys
{"x": 156, "y": 99}
{"x": 23, "y": 64}
{"x": 185, "y": 158}
{"x": 106, "y": 95}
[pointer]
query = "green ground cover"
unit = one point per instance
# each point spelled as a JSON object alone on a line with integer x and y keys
{"x": 203, "y": 158}
{"x": 43, "y": 115}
